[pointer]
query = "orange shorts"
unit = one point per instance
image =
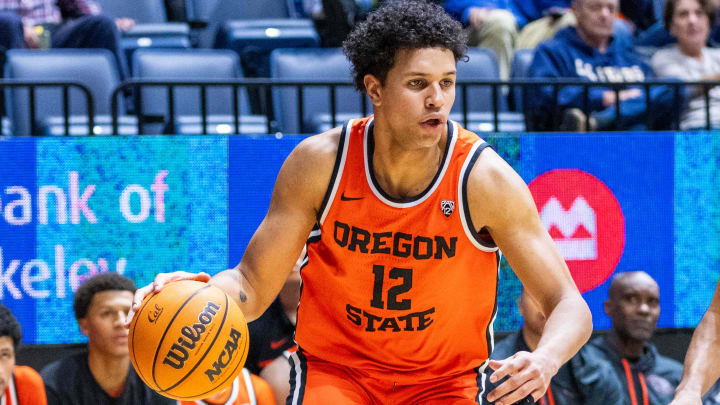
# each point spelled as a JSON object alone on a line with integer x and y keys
{"x": 318, "y": 382}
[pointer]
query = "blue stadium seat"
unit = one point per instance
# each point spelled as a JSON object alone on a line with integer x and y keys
{"x": 93, "y": 68}
{"x": 327, "y": 64}
{"x": 482, "y": 65}
{"x": 151, "y": 29}
{"x": 519, "y": 71}
{"x": 226, "y": 10}
{"x": 253, "y": 40}
{"x": 189, "y": 65}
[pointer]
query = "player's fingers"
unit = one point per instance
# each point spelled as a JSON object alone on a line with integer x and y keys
{"x": 520, "y": 393}
{"x": 518, "y": 387}
{"x": 164, "y": 278}
{"x": 495, "y": 364}
{"x": 140, "y": 294}
{"x": 507, "y": 367}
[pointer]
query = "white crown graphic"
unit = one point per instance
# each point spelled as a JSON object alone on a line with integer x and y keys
{"x": 567, "y": 221}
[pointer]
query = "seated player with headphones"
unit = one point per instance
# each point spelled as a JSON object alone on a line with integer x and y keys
{"x": 102, "y": 374}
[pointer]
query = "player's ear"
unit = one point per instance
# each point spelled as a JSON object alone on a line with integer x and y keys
{"x": 83, "y": 325}
{"x": 373, "y": 88}
{"x": 608, "y": 307}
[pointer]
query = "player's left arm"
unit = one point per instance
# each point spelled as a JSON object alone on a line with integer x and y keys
{"x": 499, "y": 200}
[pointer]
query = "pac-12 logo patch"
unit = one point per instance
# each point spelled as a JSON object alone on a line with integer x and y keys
{"x": 447, "y": 207}
{"x": 585, "y": 220}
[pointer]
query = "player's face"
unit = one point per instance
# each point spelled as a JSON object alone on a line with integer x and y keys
{"x": 7, "y": 362}
{"x": 533, "y": 317}
{"x": 417, "y": 95}
{"x": 104, "y": 323}
{"x": 596, "y": 17}
{"x": 636, "y": 308}
{"x": 690, "y": 24}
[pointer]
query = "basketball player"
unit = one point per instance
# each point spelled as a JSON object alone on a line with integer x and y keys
{"x": 701, "y": 369}
{"x": 246, "y": 389}
{"x": 19, "y": 385}
{"x": 101, "y": 375}
{"x": 405, "y": 212}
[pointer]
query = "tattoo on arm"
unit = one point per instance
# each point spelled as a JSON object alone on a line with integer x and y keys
{"x": 235, "y": 275}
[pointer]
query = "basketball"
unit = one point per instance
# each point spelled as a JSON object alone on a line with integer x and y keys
{"x": 189, "y": 341}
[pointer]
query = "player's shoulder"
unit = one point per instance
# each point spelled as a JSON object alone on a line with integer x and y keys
{"x": 26, "y": 373}
{"x": 63, "y": 368}
{"x": 491, "y": 173}
{"x": 320, "y": 147}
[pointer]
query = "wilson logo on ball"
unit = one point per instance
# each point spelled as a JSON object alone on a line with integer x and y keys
{"x": 225, "y": 356}
{"x": 177, "y": 355}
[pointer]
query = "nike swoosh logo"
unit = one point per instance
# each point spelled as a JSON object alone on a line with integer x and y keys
{"x": 343, "y": 198}
{"x": 277, "y": 344}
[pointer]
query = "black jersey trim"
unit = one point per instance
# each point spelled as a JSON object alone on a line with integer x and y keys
{"x": 464, "y": 196}
{"x": 298, "y": 378}
{"x": 334, "y": 178}
{"x": 490, "y": 330}
{"x": 370, "y": 148}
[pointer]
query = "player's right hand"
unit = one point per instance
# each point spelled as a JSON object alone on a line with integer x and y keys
{"x": 160, "y": 280}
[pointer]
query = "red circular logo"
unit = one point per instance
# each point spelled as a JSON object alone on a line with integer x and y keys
{"x": 585, "y": 221}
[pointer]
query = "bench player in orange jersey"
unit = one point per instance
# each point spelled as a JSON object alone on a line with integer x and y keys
{"x": 403, "y": 214}
{"x": 246, "y": 389}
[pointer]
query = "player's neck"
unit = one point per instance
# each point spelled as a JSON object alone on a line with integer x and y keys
{"x": 404, "y": 172}
{"x": 110, "y": 372}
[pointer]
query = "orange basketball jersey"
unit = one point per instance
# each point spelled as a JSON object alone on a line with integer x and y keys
{"x": 401, "y": 289}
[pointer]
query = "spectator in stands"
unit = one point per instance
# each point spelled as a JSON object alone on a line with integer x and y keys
{"x": 586, "y": 379}
{"x": 690, "y": 59}
{"x": 490, "y": 24}
{"x": 61, "y": 24}
{"x": 540, "y": 20}
{"x": 590, "y": 53}
{"x": 633, "y": 304}
{"x": 647, "y": 29}
{"x": 101, "y": 375}
{"x": 19, "y": 385}
{"x": 335, "y": 18}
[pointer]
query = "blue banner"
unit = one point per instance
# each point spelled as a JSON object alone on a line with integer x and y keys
{"x": 72, "y": 207}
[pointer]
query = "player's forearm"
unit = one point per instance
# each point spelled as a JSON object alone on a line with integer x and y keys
{"x": 700, "y": 369}
{"x": 567, "y": 329}
{"x": 237, "y": 287}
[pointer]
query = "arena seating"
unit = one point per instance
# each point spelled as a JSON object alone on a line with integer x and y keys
{"x": 253, "y": 40}
{"x": 186, "y": 65}
{"x": 151, "y": 29}
{"x": 225, "y": 10}
{"x": 482, "y": 65}
{"x": 327, "y": 64}
{"x": 518, "y": 71}
{"x": 94, "y": 68}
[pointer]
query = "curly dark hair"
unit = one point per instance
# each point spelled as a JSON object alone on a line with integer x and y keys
{"x": 9, "y": 325}
{"x": 373, "y": 44}
{"x": 96, "y": 284}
